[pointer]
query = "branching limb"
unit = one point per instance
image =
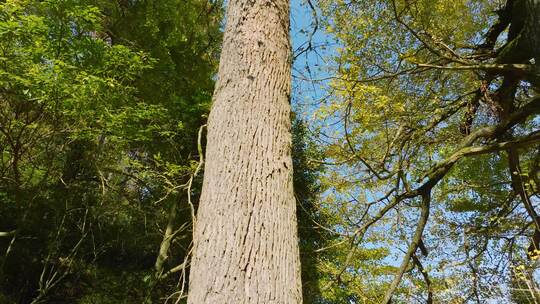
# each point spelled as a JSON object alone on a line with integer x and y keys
{"x": 315, "y": 26}
{"x": 518, "y": 185}
{"x": 424, "y": 215}
{"x": 425, "y": 275}
{"x": 445, "y": 165}
{"x": 454, "y": 56}
{"x": 527, "y": 69}
{"x": 169, "y": 230}
{"x": 498, "y": 27}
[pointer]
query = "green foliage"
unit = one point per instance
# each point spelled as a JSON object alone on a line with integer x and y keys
{"x": 311, "y": 217}
{"x": 100, "y": 105}
{"x": 409, "y": 87}
{"x": 323, "y": 251}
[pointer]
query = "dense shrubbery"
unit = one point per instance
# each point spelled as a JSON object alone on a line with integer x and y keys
{"x": 100, "y": 105}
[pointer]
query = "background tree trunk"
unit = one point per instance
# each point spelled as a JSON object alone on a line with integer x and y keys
{"x": 246, "y": 244}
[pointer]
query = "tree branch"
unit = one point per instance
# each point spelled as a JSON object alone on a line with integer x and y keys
{"x": 501, "y": 67}
{"x": 426, "y": 198}
{"x": 7, "y": 233}
{"x": 425, "y": 275}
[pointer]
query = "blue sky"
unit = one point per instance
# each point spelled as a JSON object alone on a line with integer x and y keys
{"x": 308, "y": 64}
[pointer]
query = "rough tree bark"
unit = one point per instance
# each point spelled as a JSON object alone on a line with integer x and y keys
{"x": 523, "y": 44}
{"x": 524, "y": 32}
{"x": 245, "y": 239}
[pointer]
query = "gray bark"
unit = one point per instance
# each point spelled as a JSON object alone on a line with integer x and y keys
{"x": 245, "y": 239}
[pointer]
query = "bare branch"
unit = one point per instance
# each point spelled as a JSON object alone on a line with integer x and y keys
{"x": 422, "y": 221}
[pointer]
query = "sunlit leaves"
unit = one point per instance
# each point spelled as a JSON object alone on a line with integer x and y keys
{"x": 392, "y": 115}
{"x": 100, "y": 104}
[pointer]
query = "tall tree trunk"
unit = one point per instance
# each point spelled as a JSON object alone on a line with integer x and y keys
{"x": 246, "y": 243}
